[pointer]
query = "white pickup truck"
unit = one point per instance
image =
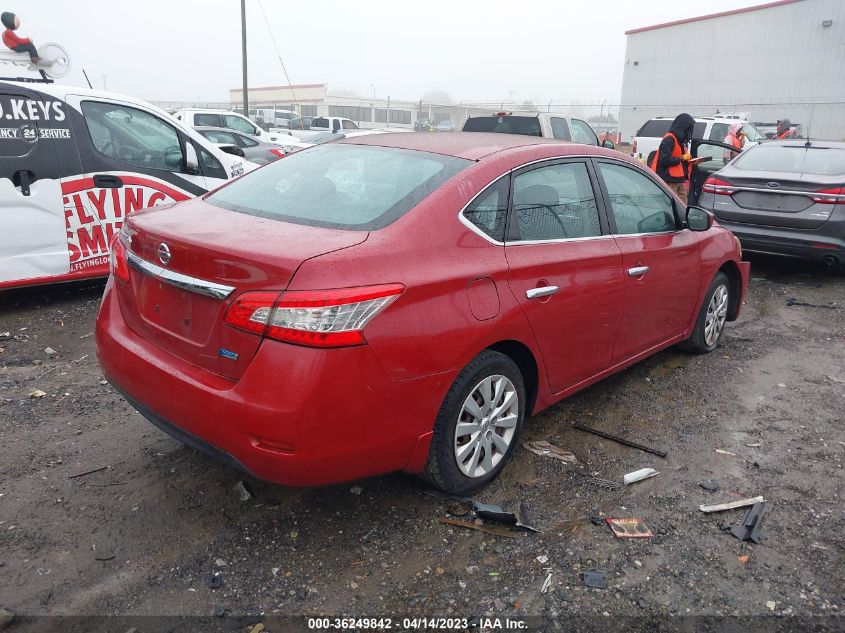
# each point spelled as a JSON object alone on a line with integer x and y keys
{"x": 545, "y": 124}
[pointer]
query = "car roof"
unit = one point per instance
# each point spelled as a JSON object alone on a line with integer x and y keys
{"x": 468, "y": 145}
{"x": 802, "y": 142}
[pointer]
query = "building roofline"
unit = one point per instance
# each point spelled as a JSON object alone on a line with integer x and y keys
{"x": 710, "y": 16}
{"x": 288, "y": 87}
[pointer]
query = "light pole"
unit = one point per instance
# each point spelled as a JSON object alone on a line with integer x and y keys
{"x": 243, "y": 57}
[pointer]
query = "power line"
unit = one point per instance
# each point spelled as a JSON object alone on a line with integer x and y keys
{"x": 279, "y": 55}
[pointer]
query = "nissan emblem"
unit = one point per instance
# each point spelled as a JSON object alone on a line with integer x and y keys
{"x": 164, "y": 253}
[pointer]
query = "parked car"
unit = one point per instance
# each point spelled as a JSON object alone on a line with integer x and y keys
{"x": 422, "y": 125}
{"x": 282, "y": 118}
{"x": 648, "y": 137}
{"x": 545, "y": 124}
{"x": 75, "y": 163}
{"x": 195, "y": 117}
{"x": 405, "y": 302}
{"x": 784, "y": 197}
{"x": 254, "y": 150}
{"x": 446, "y": 126}
{"x": 332, "y": 124}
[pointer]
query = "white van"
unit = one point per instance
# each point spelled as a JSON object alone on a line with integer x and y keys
{"x": 75, "y": 162}
{"x": 199, "y": 117}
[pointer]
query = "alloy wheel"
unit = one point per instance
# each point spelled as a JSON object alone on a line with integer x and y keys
{"x": 717, "y": 313}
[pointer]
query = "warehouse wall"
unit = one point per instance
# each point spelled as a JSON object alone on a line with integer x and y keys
{"x": 773, "y": 63}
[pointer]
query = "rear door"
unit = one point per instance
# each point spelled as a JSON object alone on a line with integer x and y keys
{"x": 660, "y": 261}
{"x": 33, "y": 242}
{"x": 565, "y": 268}
{"x": 132, "y": 158}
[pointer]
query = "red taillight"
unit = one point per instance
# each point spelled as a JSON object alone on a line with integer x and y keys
{"x": 317, "y": 318}
{"x": 717, "y": 186}
{"x": 119, "y": 265}
{"x": 828, "y": 196}
{"x": 278, "y": 152}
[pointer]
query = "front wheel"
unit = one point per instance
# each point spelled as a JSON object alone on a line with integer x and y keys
{"x": 710, "y": 324}
{"x": 478, "y": 425}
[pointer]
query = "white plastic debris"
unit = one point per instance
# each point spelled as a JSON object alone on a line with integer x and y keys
{"x": 639, "y": 475}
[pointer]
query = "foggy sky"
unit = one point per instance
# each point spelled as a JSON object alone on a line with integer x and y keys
{"x": 474, "y": 50}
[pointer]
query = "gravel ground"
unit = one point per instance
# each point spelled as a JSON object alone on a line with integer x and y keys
{"x": 144, "y": 533}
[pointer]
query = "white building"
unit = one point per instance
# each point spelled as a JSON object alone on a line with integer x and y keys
{"x": 775, "y": 60}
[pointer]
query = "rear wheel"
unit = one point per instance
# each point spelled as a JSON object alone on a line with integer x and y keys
{"x": 478, "y": 425}
{"x": 710, "y": 324}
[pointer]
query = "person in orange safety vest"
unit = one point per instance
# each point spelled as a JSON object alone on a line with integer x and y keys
{"x": 671, "y": 161}
{"x": 735, "y": 138}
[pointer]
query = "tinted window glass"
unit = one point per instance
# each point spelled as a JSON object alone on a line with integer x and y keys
{"x": 320, "y": 122}
{"x": 555, "y": 202}
{"x": 133, "y": 136}
{"x": 349, "y": 125}
{"x": 719, "y": 131}
{"x": 560, "y": 128}
{"x": 219, "y": 136}
{"x": 340, "y": 186}
{"x": 17, "y": 139}
{"x": 237, "y": 123}
{"x": 210, "y": 166}
{"x": 583, "y": 133}
{"x": 245, "y": 141}
{"x": 207, "y": 120}
{"x": 489, "y": 211}
{"x": 528, "y": 125}
{"x": 795, "y": 159}
{"x": 638, "y": 204}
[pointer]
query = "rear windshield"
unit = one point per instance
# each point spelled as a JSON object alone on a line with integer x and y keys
{"x": 795, "y": 159}
{"x": 340, "y": 186}
{"x": 657, "y": 128}
{"x": 528, "y": 125}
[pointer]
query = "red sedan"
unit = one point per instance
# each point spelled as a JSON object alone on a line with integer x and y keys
{"x": 404, "y": 302}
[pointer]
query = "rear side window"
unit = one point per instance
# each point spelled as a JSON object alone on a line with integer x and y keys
{"x": 637, "y": 203}
{"x": 489, "y": 211}
{"x": 555, "y": 202}
{"x": 219, "y": 136}
{"x": 320, "y": 122}
{"x": 719, "y": 131}
{"x": 795, "y": 159}
{"x": 349, "y": 125}
{"x": 351, "y": 187}
{"x": 560, "y": 128}
{"x": 245, "y": 141}
{"x": 237, "y": 123}
{"x": 206, "y": 120}
{"x": 506, "y": 124}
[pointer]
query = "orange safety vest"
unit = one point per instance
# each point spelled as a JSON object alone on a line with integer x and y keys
{"x": 785, "y": 134}
{"x": 676, "y": 171}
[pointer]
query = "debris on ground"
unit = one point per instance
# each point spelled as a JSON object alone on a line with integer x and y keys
{"x": 770, "y": 605}
{"x": 620, "y": 440}
{"x": 356, "y": 490}
{"x": 546, "y": 583}
{"x": 743, "y": 559}
{"x": 596, "y": 481}
{"x": 481, "y": 527}
{"x": 597, "y": 520}
{"x": 242, "y": 491}
{"x": 214, "y": 581}
{"x": 545, "y": 449}
{"x": 709, "y": 485}
{"x": 750, "y": 528}
{"x": 792, "y": 301}
{"x": 595, "y": 578}
{"x": 5, "y": 336}
{"x": 639, "y": 475}
{"x": 719, "y": 507}
{"x": 724, "y": 452}
{"x": 87, "y": 472}
{"x": 754, "y": 445}
{"x": 835, "y": 379}
{"x": 37, "y": 393}
{"x": 496, "y": 513}
{"x": 6, "y": 617}
{"x": 629, "y": 528}
{"x": 50, "y": 351}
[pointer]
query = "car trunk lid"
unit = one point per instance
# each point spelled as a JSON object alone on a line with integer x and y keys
{"x": 785, "y": 200}
{"x": 179, "y": 302}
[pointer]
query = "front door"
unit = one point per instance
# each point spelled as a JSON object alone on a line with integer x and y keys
{"x": 565, "y": 269}
{"x": 33, "y": 244}
{"x": 660, "y": 260}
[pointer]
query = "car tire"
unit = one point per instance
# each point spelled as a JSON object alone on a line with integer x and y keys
{"x": 464, "y": 464}
{"x": 710, "y": 324}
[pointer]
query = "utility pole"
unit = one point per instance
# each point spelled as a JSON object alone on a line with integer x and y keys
{"x": 243, "y": 56}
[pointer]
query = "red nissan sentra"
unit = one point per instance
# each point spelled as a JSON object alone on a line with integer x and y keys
{"x": 404, "y": 302}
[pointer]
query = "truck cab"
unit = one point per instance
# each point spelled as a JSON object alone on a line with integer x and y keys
{"x": 544, "y": 124}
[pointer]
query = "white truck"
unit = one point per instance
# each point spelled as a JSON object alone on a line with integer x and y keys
{"x": 544, "y": 124}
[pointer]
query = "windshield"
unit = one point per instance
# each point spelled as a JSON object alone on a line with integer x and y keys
{"x": 340, "y": 186}
{"x": 506, "y": 124}
{"x": 794, "y": 159}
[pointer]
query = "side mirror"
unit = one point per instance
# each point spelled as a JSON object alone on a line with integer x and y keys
{"x": 234, "y": 150}
{"x": 699, "y": 219}
{"x": 335, "y": 126}
{"x": 608, "y": 144}
{"x": 192, "y": 163}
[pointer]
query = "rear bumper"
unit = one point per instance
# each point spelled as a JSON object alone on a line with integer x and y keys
{"x": 808, "y": 244}
{"x": 298, "y": 416}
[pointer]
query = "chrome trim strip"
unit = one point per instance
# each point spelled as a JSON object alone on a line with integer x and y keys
{"x": 185, "y": 282}
{"x": 791, "y": 192}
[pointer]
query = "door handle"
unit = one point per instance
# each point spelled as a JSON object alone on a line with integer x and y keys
{"x": 637, "y": 271}
{"x": 23, "y": 179}
{"x": 544, "y": 291}
{"x": 107, "y": 181}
